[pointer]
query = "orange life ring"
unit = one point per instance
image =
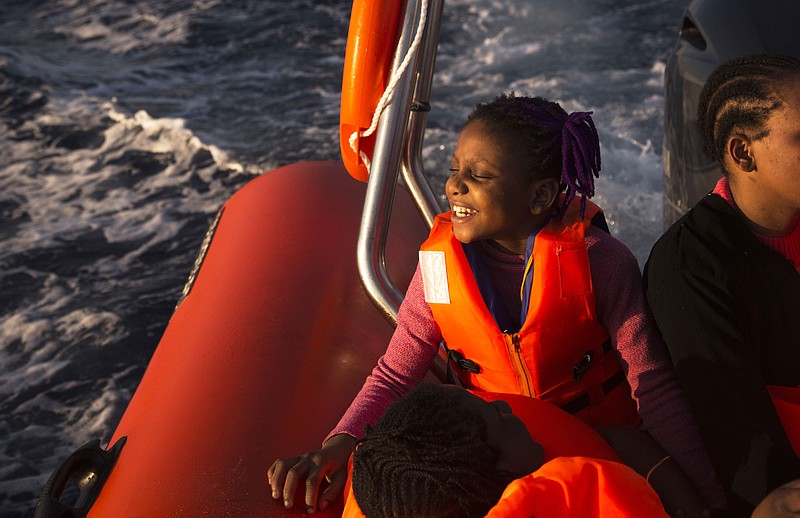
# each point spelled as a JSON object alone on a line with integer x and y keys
{"x": 371, "y": 41}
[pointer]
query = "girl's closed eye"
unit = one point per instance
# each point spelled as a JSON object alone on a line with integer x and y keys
{"x": 481, "y": 176}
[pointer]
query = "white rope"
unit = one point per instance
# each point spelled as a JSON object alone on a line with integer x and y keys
{"x": 387, "y": 94}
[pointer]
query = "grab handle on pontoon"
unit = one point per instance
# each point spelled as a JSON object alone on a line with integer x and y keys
{"x": 89, "y": 467}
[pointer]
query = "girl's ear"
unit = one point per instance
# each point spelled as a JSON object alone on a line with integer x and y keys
{"x": 739, "y": 153}
{"x": 543, "y": 194}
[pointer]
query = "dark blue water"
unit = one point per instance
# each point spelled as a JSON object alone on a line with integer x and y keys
{"x": 124, "y": 126}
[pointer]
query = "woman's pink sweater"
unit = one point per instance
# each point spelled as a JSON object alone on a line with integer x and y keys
{"x": 788, "y": 245}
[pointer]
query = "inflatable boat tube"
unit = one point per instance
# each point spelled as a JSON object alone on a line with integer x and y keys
{"x": 371, "y": 41}
{"x": 264, "y": 354}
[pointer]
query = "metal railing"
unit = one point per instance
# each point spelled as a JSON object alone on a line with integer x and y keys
{"x": 398, "y": 144}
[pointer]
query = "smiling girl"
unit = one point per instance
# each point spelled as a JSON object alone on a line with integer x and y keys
{"x": 530, "y": 294}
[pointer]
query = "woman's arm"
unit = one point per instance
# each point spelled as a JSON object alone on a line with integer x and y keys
{"x": 719, "y": 371}
{"x": 639, "y": 451}
{"x": 623, "y": 310}
{"x": 407, "y": 360}
{"x": 408, "y": 357}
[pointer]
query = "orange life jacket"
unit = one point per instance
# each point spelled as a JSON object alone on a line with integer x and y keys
{"x": 577, "y": 486}
{"x": 581, "y": 471}
{"x": 561, "y": 434}
{"x": 787, "y": 404}
{"x": 561, "y": 353}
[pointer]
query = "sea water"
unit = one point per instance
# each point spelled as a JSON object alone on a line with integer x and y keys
{"x": 125, "y": 125}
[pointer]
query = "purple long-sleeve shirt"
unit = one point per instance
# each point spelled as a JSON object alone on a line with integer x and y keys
{"x": 621, "y": 309}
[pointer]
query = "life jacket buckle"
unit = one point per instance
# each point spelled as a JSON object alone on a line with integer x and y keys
{"x": 463, "y": 363}
{"x": 582, "y": 366}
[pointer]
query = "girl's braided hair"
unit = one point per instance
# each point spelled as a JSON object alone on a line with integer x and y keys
{"x": 562, "y": 146}
{"x": 427, "y": 457}
{"x": 739, "y": 96}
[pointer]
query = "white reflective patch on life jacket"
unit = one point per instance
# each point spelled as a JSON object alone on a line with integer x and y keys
{"x": 434, "y": 277}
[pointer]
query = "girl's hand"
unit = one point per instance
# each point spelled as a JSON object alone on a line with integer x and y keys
{"x": 781, "y": 502}
{"x": 329, "y": 462}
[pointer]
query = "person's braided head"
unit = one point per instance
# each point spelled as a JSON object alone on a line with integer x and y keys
{"x": 739, "y": 97}
{"x": 427, "y": 457}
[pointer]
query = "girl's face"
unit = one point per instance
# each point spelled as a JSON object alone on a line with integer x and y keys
{"x": 490, "y": 190}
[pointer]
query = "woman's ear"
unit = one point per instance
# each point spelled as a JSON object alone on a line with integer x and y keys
{"x": 544, "y": 194}
{"x": 739, "y": 153}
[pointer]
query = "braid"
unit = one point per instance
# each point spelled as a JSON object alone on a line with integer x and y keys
{"x": 740, "y": 95}
{"x": 427, "y": 457}
{"x": 560, "y": 146}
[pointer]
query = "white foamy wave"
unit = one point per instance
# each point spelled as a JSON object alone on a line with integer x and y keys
{"x": 37, "y": 368}
{"x": 32, "y": 342}
{"x": 163, "y": 134}
{"x": 114, "y": 186}
{"x": 122, "y": 27}
{"x": 629, "y": 191}
{"x": 29, "y": 445}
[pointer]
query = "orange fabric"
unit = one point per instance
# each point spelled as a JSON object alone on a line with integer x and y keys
{"x": 578, "y": 486}
{"x": 568, "y": 487}
{"x": 787, "y": 404}
{"x": 562, "y": 435}
{"x": 560, "y": 329}
{"x": 351, "y": 509}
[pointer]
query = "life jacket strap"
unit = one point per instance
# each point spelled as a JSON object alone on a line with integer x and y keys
{"x": 584, "y": 400}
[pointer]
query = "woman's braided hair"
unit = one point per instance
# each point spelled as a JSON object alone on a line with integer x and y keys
{"x": 562, "y": 146}
{"x": 739, "y": 96}
{"x": 427, "y": 457}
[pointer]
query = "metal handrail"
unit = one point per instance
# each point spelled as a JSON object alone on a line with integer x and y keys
{"x": 413, "y": 170}
{"x": 390, "y": 142}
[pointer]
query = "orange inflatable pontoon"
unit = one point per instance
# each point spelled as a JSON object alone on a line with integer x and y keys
{"x": 274, "y": 334}
{"x": 260, "y": 359}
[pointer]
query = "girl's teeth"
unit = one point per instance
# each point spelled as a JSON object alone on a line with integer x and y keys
{"x": 463, "y": 212}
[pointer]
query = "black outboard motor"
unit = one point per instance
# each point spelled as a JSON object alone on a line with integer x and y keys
{"x": 711, "y": 33}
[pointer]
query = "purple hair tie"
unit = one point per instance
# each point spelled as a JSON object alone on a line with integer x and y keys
{"x": 579, "y": 143}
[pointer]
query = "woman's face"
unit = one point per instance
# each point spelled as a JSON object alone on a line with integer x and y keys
{"x": 490, "y": 190}
{"x": 773, "y": 186}
{"x": 519, "y": 454}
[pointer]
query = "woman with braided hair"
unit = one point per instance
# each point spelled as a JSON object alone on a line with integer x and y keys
{"x": 440, "y": 452}
{"x": 723, "y": 281}
{"x": 531, "y": 295}
{"x": 431, "y": 455}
